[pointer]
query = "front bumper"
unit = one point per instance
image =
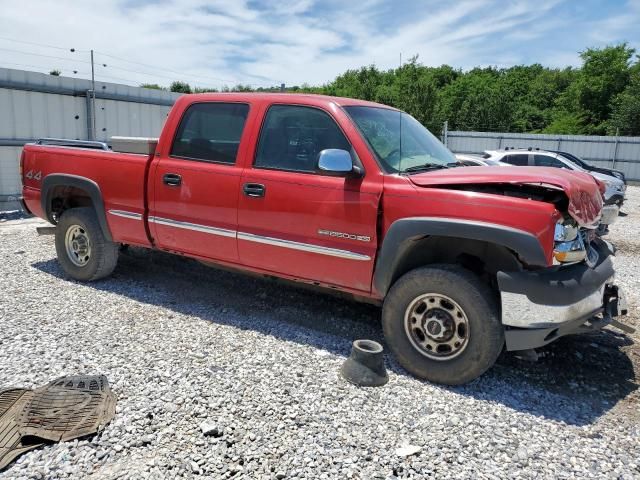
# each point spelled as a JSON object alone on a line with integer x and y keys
{"x": 539, "y": 307}
{"x": 609, "y": 214}
{"x": 614, "y": 198}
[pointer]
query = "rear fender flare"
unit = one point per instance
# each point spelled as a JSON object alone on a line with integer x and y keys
{"x": 403, "y": 232}
{"x": 66, "y": 180}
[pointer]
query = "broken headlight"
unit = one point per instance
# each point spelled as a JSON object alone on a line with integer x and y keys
{"x": 565, "y": 232}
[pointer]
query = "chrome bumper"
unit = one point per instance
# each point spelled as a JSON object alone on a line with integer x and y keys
{"x": 519, "y": 311}
{"x": 613, "y": 305}
{"x": 541, "y": 306}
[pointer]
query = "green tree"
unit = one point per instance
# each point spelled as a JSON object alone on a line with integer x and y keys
{"x": 604, "y": 74}
{"x": 523, "y": 98}
{"x": 153, "y": 86}
{"x": 55, "y": 73}
{"x": 204, "y": 89}
{"x": 180, "y": 87}
{"x": 625, "y": 116}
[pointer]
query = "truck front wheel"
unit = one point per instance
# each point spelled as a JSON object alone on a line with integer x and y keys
{"x": 442, "y": 324}
{"x": 83, "y": 252}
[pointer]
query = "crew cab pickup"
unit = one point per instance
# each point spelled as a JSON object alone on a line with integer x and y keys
{"x": 349, "y": 196}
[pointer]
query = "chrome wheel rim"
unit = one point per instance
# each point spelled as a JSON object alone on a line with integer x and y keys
{"x": 437, "y": 326}
{"x": 77, "y": 245}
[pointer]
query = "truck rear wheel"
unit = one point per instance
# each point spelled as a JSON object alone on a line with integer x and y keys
{"x": 442, "y": 324}
{"x": 82, "y": 250}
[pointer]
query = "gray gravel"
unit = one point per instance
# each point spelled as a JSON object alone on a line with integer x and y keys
{"x": 226, "y": 376}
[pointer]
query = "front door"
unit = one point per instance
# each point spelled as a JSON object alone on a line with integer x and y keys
{"x": 296, "y": 221}
{"x": 194, "y": 208}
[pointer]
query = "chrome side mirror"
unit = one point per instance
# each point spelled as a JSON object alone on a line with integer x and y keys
{"x": 337, "y": 163}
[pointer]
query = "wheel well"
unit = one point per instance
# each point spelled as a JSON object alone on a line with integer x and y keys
{"x": 64, "y": 197}
{"x": 483, "y": 258}
{"x": 61, "y": 192}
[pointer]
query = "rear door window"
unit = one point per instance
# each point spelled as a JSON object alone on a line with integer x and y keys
{"x": 520, "y": 160}
{"x": 211, "y": 132}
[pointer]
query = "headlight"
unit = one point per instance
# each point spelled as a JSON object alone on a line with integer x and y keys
{"x": 569, "y": 245}
{"x": 565, "y": 232}
{"x": 569, "y": 252}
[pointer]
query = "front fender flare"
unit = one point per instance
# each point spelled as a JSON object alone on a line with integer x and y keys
{"x": 402, "y": 232}
{"x": 83, "y": 183}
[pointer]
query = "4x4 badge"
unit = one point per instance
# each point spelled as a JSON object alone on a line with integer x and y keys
{"x": 30, "y": 175}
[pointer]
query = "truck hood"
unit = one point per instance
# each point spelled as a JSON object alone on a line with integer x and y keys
{"x": 582, "y": 190}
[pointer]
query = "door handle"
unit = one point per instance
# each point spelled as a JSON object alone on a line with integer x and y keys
{"x": 253, "y": 189}
{"x": 172, "y": 179}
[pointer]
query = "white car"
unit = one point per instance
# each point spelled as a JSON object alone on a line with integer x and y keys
{"x": 469, "y": 160}
{"x": 615, "y": 187}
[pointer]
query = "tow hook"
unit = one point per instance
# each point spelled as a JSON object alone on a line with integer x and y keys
{"x": 615, "y": 306}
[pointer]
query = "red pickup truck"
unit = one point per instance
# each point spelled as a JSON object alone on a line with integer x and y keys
{"x": 349, "y": 196}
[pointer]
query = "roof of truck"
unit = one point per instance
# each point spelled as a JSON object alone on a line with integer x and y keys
{"x": 299, "y": 98}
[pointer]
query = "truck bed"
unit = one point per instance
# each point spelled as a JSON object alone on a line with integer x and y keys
{"x": 119, "y": 177}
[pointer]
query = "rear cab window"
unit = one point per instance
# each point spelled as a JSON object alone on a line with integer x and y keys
{"x": 210, "y": 132}
{"x": 292, "y": 136}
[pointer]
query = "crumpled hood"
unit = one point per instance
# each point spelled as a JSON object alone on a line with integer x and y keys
{"x": 582, "y": 190}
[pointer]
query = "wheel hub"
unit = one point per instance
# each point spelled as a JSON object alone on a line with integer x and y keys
{"x": 437, "y": 326}
{"x": 77, "y": 245}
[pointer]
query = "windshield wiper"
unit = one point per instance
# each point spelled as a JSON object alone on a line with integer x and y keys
{"x": 425, "y": 167}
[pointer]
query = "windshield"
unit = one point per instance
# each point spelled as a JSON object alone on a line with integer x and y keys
{"x": 493, "y": 163}
{"x": 574, "y": 165}
{"x": 574, "y": 161}
{"x": 399, "y": 141}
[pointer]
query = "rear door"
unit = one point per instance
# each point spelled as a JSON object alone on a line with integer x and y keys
{"x": 295, "y": 221}
{"x": 194, "y": 207}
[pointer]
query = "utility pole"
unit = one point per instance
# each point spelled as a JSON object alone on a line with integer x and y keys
{"x": 400, "y": 59}
{"x": 445, "y": 133}
{"x": 615, "y": 149}
{"x": 93, "y": 97}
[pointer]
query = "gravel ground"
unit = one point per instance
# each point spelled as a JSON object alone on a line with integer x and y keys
{"x": 257, "y": 363}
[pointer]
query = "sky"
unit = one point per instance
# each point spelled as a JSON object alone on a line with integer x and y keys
{"x": 265, "y": 43}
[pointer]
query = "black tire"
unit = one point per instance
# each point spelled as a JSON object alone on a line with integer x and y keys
{"x": 103, "y": 254}
{"x": 485, "y": 336}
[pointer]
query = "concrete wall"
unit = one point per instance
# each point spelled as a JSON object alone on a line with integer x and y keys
{"x": 622, "y": 153}
{"x": 35, "y": 105}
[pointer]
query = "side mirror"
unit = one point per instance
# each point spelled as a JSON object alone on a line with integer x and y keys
{"x": 337, "y": 163}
